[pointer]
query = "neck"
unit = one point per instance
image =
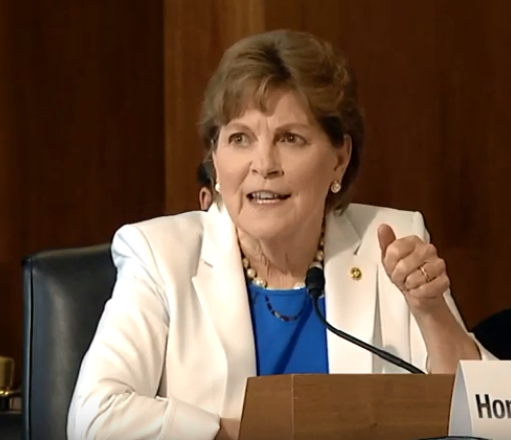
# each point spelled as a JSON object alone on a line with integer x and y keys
{"x": 282, "y": 262}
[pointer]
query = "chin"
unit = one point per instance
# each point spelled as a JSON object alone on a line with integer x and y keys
{"x": 268, "y": 229}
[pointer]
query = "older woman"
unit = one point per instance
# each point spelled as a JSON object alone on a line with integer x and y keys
{"x": 204, "y": 300}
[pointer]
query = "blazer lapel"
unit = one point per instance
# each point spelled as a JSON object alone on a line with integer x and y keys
{"x": 350, "y": 296}
{"x": 220, "y": 285}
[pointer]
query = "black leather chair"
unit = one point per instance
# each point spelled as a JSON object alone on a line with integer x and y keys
{"x": 10, "y": 425}
{"x": 64, "y": 296}
{"x": 494, "y": 333}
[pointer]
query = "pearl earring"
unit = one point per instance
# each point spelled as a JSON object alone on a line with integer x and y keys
{"x": 217, "y": 187}
{"x": 335, "y": 187}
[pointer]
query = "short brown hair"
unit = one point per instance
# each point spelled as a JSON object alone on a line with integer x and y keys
{"x": 260, "y": 63}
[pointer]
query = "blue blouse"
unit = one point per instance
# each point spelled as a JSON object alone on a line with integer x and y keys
{"x": 289, "y": 338}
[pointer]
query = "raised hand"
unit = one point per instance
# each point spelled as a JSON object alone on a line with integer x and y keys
{"x": 415, "y": 268}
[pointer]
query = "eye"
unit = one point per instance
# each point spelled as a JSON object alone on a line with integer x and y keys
{"x": 293, "y": 139}
{"x": 238, "y": 139}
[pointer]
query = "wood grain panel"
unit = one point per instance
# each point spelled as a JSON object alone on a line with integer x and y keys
{"x": 82, "y": 150}
{"x": 12, "y": 136}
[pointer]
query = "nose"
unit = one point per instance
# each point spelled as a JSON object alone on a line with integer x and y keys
{"x": 266, "y": 161}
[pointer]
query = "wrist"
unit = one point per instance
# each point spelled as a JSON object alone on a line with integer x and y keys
{"x": 432, "y": 310}
{"x": 447, "y": 341}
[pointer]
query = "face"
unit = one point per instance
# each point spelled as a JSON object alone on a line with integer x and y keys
{"x": 205, "y": 198}
{"x": 275, "y": 168}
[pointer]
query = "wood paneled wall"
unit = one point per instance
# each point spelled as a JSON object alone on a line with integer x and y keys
{"x": 81, "y": 130}
{"x": 99, "y": 102}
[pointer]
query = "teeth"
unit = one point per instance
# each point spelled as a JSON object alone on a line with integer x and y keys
{"x": 265, "y": 195}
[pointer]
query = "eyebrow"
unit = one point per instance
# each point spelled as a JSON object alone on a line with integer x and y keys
{"x": 237, "y": 126}
{"x": 283, "y": 127}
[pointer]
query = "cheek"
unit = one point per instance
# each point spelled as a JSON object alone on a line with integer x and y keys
{"x": 231, "y": 173}
{"x": 230, "y": 180}
{"x": 227, "y": 169}
{"x": 313, "y": 176}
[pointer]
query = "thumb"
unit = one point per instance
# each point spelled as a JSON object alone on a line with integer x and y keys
{"x": 386, "y": 236}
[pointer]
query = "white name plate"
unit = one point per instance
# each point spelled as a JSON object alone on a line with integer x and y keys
{"x": 481, "y": 400}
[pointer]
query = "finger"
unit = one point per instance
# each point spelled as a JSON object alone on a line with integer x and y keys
{"x": 422, "y": 252}
{"x": 432, "y": 290}
{"x": 433, "y": 268}
{"x": 386, "y": 236}
{"x": 398, "y": 250}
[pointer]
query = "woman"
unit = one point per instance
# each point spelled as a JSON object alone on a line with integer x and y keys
{"x": 205, "y": 300}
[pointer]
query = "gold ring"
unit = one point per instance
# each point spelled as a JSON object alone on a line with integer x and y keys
{"x": 425, "y": 273}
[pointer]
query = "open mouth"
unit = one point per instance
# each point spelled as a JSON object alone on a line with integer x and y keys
{"x": 267, "y": 197}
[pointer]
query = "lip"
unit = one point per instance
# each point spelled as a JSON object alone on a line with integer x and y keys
{"x": 278, "y": 193}
{"x": 281, "y": 198}
{"x": 267, "y": 204}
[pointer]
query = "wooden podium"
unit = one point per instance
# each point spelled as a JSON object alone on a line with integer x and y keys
{"x": 346, "y": 407}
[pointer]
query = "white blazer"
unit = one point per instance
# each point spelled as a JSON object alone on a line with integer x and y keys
{"x": 174, "y": 347}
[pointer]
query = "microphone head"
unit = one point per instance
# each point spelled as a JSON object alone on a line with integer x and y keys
{"x": 315, "y": 280}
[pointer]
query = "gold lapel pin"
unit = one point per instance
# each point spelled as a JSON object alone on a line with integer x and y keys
{"x": 355, "y": 273}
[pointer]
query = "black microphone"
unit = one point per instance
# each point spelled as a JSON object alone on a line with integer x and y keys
{"x": 315, "y": 284}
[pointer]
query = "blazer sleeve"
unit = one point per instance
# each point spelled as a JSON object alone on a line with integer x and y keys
{"x": 116, "y": 393}
{"x": 418, "y": 347}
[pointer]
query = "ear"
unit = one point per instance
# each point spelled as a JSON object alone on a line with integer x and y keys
{"x": 343, "y": 153}
{"x": 205, "y": 198}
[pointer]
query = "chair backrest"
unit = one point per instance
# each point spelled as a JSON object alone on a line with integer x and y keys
{"x": 64, "y": 292}
{"x": 494, "y": 333}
